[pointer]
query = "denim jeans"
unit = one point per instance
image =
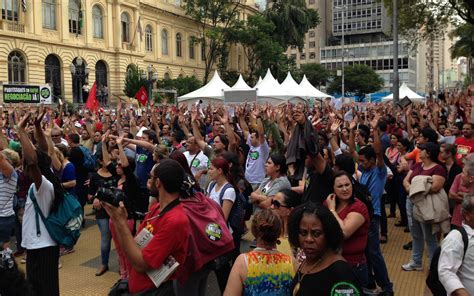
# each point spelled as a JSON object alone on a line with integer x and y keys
{"x": 421, "y": 233}
{"x": 361, "y": 273}
{"x": 375, "y": 261}
{"x": 105, "y": 239}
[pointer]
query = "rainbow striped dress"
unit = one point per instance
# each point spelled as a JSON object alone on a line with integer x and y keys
{"x": 269, "y": 273}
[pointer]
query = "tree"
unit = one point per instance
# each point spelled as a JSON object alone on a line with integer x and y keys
{"x": 133, "y": 80}
{"x": 215, "y": 19}
{"x": 464, "y": 45}
{"x": 182, "y": 85}
{"x": 316, "y": 73}
{"x": 421, "y": 20}
{"x": 261, "y": 49}
{"x": 358, "y": 80}
{"x": 292, "y": 19}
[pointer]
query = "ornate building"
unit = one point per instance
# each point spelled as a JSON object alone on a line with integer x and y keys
{"x": 68, "y": 43}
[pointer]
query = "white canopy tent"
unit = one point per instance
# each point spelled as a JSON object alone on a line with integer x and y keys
{"x": 241, "y": 84}
{"x": 293, "y": 89}
{"x": 212, "y": 91}
{"x": 258, "y": 82}
{"x": 312, "y": 92}
{"x": 405, "y": 91}
{"x": 269, "y": 90}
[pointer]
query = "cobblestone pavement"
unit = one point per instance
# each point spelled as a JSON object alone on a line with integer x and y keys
{"x": 77, "y": 275}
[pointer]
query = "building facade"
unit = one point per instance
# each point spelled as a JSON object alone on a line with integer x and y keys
{"x": 70, "y": 43}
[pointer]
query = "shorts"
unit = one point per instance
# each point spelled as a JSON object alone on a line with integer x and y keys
{"x": 6, "y": 226}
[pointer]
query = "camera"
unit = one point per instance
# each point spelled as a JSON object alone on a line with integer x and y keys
{"x": 111, "y": 195}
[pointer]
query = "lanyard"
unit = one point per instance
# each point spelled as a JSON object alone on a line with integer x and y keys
{"x": 168, "y": 208}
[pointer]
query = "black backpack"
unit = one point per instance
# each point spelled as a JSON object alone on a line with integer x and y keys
{"x": 362, "y": 193}
{"x": 237, "y": 213}
{"x": 432, "y": 281}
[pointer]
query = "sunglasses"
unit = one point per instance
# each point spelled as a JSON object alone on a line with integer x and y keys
{"x": 276, "y": 204}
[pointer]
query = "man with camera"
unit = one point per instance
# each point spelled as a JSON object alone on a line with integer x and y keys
{"x": 166, "y": 221}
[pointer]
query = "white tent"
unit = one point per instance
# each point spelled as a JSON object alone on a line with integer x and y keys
{"x": 258, "y": 82}
{"x": 213, "y": 90}
{"x": 241, "y": 84}
{"x": 293, "y": 89}
{"x": 312, "y": 91}
{"x": 405, "y": 91}
{"x": 269, "y": 90}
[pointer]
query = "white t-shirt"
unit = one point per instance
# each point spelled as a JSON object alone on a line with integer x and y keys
{"x": 255, "y": 165}
{"x": 229, "y": 194}
{"x": 44, "y": 196}
{"x": 197, "y": 162}
{"x": 7, "y": 191}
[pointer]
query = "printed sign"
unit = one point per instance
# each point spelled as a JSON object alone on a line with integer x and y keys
{"x": 32, "y": 94}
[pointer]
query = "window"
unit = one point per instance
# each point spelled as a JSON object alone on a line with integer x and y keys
{"x": 125, "y": 22}
{"x": 164, "y": 42}
{"x": 312, "y": 44}
{"x": 148, "y": 38}
{"x": 49, "y": 14}
{"x": 191, "y": 48}
{"x": 97, "y": 22}
{"x": 311, "y": 33}
{"x": 303, "y": 56}
{"x": 101, "y": 73}
{"x": 312, "y": 56}
{"x": 75, "y": 17}
{"x": 52, "y": 75}
{"x": 10, "y": 10}
{"x": 179, "y": 52}
{"x": 16, "y": 68}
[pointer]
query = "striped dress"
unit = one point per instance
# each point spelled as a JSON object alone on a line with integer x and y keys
{"x": 269, "y": 273}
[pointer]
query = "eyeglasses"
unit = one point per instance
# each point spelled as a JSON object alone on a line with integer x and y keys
{"x": 276, "y": 204}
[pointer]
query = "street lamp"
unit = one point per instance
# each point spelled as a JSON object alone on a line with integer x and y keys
{"x": 79, "y": 72}
{"x": 342, "y": 47}
{"x": 150, "y": 77}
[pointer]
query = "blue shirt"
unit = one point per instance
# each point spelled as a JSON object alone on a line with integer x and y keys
{"x": 375, "y": 179}
{"x": 144, "y": 164}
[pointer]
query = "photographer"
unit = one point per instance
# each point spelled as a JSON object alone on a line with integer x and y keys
{"x": 128, "y": 183}
{"x": 169, "y": 225}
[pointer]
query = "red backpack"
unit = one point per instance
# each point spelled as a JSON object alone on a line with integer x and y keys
{"x": 209, "y": 237}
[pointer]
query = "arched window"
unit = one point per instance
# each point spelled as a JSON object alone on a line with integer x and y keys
{"x": 49, "y": 14}
{"x": 148, "y": 38}
{"x": 125, "y": 20}
{"x": 16, "y": 67}
{"x": 52, "y": 75}
{"x": 191, "y": 48}
{"x": 75, "y": 17}
{"x": 167, "y": 76}
{"x": 179, "y": 52}
{"x": 164, "y": 42}
{"x": 10, "y": 10}
{"x": 101, "y": 73}
{"x": 97, "y": 22}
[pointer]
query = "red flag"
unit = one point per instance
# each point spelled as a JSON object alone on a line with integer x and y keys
{"x": 92, "y": 103}
{"x": 142, "y": 96}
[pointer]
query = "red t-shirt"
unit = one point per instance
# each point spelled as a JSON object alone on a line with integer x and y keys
{"x": 353, "y": 249}
{"x": 464, "y": 147}
{"x": 171, "y": 232}
{"x": 417, "y": 170}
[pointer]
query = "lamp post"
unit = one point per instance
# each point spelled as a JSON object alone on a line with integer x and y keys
{"x": 150, "y": 76}
{"x": 342, "y": 50}
{"x": 79, "y": 72}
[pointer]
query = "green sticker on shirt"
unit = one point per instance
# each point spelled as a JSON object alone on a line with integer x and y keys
{"x": 196, "y": 163}
{"x": 254, "y": 155}
{"x": 344, "y": 289}
{"x": 142, "y": 157}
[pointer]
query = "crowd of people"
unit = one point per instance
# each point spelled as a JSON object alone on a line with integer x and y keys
{"x": 311, "y": 184}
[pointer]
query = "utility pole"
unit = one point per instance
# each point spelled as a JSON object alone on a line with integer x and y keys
{"x": 343, "y": 53}
{"x": 396, "y": 80}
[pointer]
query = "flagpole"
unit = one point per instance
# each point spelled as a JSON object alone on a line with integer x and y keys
{"x": 135, "y": 31}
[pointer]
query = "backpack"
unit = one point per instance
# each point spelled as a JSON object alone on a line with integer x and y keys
{"x": 362, "y": 193}
{"x": 432, "y": 281}
{"x": 63, "y": 225}
{"x": 209, "y": 237}
{"x": 89, "y": 160}
{"x": 237, "y": 213}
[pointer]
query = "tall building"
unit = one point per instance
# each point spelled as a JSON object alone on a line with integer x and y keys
{"x": 366, "y": 27}
{"x": 68, "y": 43}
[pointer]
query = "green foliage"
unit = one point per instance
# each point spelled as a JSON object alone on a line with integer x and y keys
{"x": 464, "y": 44}
{"x": 292, "y": 19}
{"x": 133, "y": 81}
{"x": 425, "y": 20}
{"x": 230, "y": 77}
{"x": 316, "y": 73}
{"x": 358, "y": 80}
{"x": 215, "y": 18}
{"x": 182, "y": 85}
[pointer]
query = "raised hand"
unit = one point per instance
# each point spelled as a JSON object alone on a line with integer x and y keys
{"x": 24, "y": 120}
{"x": 335, "y": 125}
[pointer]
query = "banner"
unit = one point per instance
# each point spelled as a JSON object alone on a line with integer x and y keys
{"x": 32, "y": 94}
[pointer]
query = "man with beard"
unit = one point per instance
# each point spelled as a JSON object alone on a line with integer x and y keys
{"x": 166, "y": 221}
{"x": 465, "y": 144}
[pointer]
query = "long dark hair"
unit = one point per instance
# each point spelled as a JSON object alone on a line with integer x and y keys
{"x": 339, "y": 174}
{"x": 221, "y": 163}
{"x": 44, "y": 164}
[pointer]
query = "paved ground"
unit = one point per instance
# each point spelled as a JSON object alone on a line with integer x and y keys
{"x": 77, "y": 275}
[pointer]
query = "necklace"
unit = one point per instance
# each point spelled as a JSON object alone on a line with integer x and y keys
{"x": 301, "y": 275}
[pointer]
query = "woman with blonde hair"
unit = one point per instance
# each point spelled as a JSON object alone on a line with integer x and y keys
{"x": 265, "y": 270}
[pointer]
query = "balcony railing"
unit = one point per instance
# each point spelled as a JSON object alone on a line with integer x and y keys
{"x": 12, "y": 26}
